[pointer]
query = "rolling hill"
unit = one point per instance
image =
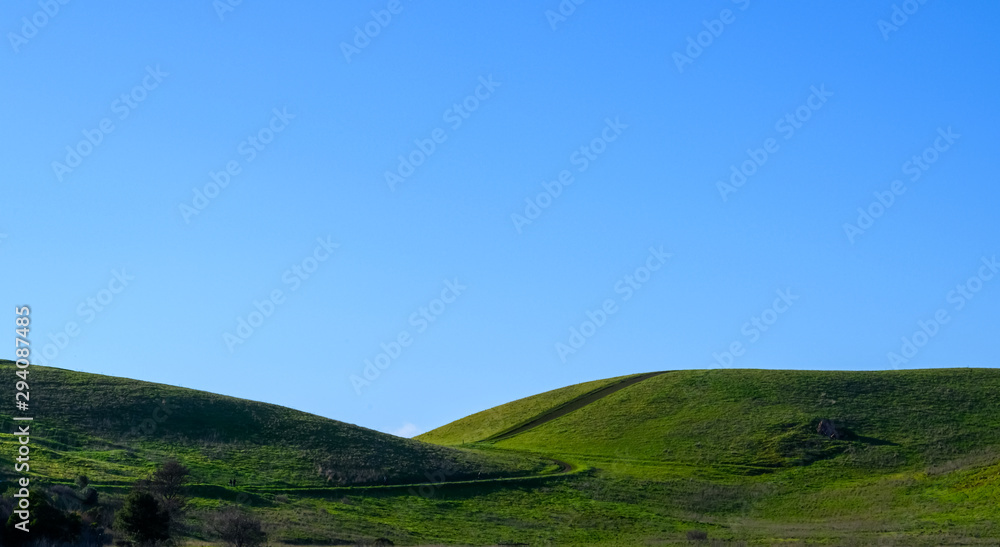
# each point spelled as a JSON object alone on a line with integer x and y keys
{"x": 114, "y": 430}
{"x": 643, "y": 459}
{"x": 768, "y": 418}
{"x": 917, "y": 461}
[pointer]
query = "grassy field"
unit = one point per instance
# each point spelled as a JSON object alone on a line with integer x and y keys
{"x": 733, "y": 454}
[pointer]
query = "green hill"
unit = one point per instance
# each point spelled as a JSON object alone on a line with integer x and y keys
{"x": 768, "y": 418}
{"x": 917, "y": 461}
{"x": 644, "y": 459}
{"x": 115, "y": 429}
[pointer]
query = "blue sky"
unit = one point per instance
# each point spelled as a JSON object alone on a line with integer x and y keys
{"x": 136, "y": 263}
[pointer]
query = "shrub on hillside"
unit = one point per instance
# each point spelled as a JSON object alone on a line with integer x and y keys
{"x": 89, "y": 496}
{"x": 48, "y": 524}
{"x": 167, "y": 486}
{"x": 167, "y": 483}
{"x": 238, "y": 528}
{"x": 143, "y": 520}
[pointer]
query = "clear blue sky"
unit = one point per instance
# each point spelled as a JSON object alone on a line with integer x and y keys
{"x": 660, "y": 122}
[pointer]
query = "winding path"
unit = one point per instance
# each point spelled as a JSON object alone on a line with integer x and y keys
{"x": 565, "y": 468}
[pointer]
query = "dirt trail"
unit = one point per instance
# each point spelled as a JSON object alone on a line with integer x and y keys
{"x": 572, "y": 405}
{"x": 565, "y": 468}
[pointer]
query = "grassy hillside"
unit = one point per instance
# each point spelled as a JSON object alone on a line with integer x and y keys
{"x": 736, "y": 453}
{"x": 768, "y": 418}
{"x": 496, "y": 420}
{"x": 114, "y": 429}
{"x": 730, "y": 453}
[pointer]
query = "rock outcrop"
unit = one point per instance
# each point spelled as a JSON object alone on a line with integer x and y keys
{"x": 827, "y": 429}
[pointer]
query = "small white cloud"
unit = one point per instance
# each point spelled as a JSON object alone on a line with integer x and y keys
{"x": 408, "y": 430}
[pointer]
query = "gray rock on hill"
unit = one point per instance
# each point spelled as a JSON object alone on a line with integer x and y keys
{"x": 827, "y": 429}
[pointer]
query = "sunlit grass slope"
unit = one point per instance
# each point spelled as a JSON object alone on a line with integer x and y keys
{"x": 496, "y": 420}
{"x": 768, "y": 418}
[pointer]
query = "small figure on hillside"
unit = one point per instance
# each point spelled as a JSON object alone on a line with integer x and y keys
{"x": 827, "y": 429}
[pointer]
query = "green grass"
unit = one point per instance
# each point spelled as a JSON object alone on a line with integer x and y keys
{"x": 733, "y": 453}
{"x": 496, "y": 420}
{"x": 738, "y": 450}
{"x": 115, "y": 429}
{"x": 767, "y": 419}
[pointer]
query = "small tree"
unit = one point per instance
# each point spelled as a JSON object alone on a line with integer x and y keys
{"x": 89, "y": 496}
{"x": 143, "y": 520}
{"x": 167, "y": 483}
{"x": 238, "y": 528}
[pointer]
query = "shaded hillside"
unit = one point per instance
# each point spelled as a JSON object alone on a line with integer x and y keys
{"x": 113, "y": 429}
